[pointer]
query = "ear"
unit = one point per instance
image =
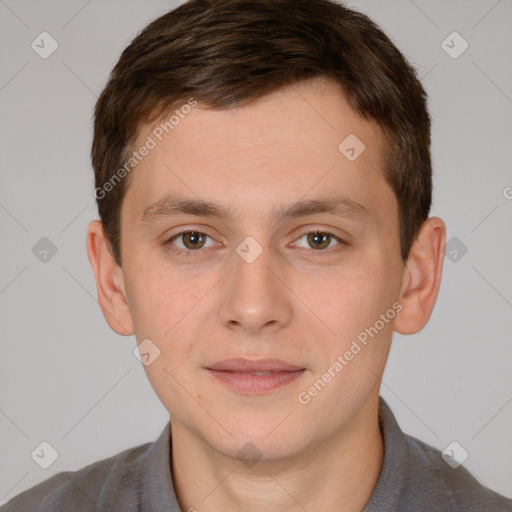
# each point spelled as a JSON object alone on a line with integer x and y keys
{"x": 422, "y": 277}
{"x": 109, "y": 281}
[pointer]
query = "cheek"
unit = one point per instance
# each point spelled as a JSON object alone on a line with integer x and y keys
{"x": 157, "y": 299}
{"x": 165, "y": 310}
{"x": 352, "y": 305}
{"x": 171, "y": 309}
{"x": 358, "y": 307}
{"x": 348, "y": 299}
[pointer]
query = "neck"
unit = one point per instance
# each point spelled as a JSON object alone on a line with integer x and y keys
{"x": 337, "y": 473}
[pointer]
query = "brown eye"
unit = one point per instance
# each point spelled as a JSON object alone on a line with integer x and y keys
{"x": 319, "y": 240}
{"x": 190, "y": 240}
{"x": 193, "y": 240}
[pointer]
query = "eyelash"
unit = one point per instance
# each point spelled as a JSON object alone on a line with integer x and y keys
{"x": 196, "y": 252}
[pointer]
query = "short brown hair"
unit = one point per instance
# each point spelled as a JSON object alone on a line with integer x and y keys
{"x": 225, "y": 53}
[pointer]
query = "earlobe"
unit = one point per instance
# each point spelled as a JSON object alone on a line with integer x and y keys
{"x": 422, "y": 277}
{"x": 109, "y": 281}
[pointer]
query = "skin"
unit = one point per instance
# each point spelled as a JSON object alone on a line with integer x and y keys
{"x": 294, "y": 302}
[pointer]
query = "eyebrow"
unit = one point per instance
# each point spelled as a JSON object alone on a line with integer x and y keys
{"x": 340, "y": 206}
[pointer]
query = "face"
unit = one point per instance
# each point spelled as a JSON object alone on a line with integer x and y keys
{"x": 258, "y": 278}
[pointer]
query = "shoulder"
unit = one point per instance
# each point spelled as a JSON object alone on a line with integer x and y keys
{"x": 444, "y": 487}
{"x": 81, "y": 490}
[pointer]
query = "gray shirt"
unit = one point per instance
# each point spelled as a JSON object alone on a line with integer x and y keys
{"x": 414, "y": 478}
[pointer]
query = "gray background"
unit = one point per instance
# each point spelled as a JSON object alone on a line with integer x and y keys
{"x": 67, "y": 379}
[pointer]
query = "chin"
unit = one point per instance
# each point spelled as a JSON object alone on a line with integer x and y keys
{"x": 269, "y": 438}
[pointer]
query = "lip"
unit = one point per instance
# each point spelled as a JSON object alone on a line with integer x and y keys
{"x": 239, "y": 374}
{"x": 241, "y": 365}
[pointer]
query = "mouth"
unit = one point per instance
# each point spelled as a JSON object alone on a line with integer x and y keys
{"x": 240, "y": 365}
{"x": 256, "y": 376}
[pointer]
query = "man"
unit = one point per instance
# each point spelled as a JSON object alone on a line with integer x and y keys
{"x": 263, "y": 181}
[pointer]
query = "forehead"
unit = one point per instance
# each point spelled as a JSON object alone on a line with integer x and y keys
{"x": 296, "y": 118}
{"x": 275, "y": 149}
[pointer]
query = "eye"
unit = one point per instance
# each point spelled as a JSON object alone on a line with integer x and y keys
{"x": 320, "y": 240}
{"x": 190, "y": 240}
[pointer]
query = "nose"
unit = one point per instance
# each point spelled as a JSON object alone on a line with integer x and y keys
{"x": 255, "y": 298}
